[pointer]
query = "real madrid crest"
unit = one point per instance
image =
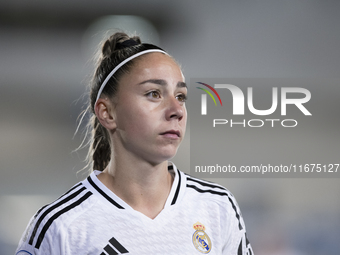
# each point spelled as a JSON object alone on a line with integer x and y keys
{"x": 200, "y": 239}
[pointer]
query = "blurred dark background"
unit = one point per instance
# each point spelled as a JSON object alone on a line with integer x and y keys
{"x": 46, "y": 50}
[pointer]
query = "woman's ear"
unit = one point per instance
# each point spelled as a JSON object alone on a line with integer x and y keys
{"x": 105, "y": 113}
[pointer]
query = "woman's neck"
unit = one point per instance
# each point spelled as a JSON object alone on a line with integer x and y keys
{"x": 142, "y": 185}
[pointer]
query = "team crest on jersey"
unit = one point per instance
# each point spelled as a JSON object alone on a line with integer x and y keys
{"x": 200, "y": 238}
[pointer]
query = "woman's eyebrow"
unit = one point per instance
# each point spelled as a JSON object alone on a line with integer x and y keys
{"x": 155, "y": 81}
{"x": 162, "y": 82}
{"x": 181, "y": 84}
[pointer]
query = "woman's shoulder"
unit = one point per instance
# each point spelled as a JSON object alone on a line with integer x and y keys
{"x": 210, "y": 192}
{"x": 52, "y": 218}
{"x": 204, "y": 186}
{"x": 212, "y": 197}
{"x": 200, "y": 187}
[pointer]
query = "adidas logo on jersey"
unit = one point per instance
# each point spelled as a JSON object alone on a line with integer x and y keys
{"x": 114, "y": 248}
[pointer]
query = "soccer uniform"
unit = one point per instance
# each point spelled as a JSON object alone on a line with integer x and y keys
{"x": 198, "y": 217}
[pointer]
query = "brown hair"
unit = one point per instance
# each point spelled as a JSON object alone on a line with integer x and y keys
{"x": 115, "y": 49}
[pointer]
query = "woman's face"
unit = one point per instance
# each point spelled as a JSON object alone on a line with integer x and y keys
{"x": 149, "y": 109}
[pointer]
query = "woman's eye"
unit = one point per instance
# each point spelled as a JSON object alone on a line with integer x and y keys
{"x": 182, "y": 98}
{"x": 154, "y": 94}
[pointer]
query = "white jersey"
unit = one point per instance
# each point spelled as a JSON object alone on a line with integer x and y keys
{"x": 198, "y": 217}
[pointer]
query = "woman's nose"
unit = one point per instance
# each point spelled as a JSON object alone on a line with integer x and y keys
{"x": 175, "y": 109}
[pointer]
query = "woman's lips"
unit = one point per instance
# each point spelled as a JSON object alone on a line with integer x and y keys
{"x": 173, "y": 134}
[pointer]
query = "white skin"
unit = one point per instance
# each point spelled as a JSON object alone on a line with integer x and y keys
{"x": 146, "y": 121}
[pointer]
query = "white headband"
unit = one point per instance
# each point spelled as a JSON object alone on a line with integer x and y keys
{"x": 120, "y": 65}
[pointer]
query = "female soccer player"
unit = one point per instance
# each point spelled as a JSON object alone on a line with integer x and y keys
{"x": 136, "y": 201}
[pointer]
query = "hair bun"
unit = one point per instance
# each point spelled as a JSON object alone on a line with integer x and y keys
{"x": 118, "y": 41}
{"x": 126, "y": 43}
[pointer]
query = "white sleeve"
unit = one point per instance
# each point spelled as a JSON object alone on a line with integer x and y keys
{"x": 236, "y": 238}
{"x": 30, "y": 244}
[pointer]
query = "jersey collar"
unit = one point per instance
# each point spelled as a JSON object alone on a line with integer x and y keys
{"x": 106, "y": 195}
